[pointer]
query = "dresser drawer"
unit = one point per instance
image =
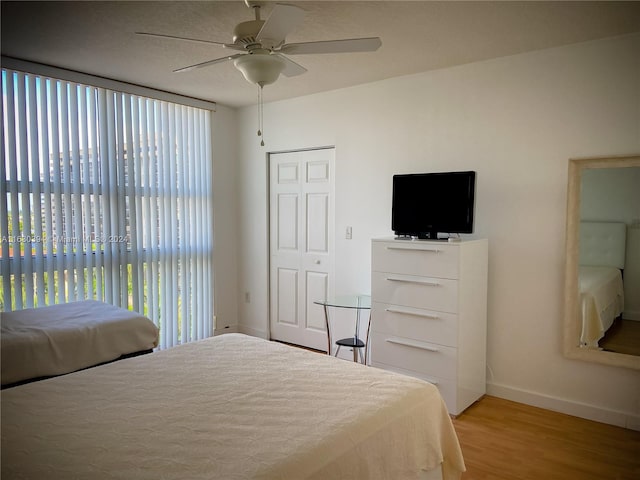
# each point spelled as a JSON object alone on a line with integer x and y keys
{"x": 446, "y": 387}
{"x": 439, "y": 294}
{"x": 425, "y": 325}
{"x": 415, "y": 258}
{"x": 421, "y": 357}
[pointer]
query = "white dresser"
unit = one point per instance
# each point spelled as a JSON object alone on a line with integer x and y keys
{"x": 429, "y": 314}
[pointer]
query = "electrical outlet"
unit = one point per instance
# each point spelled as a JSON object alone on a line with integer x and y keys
{"x": 349, "y": 233}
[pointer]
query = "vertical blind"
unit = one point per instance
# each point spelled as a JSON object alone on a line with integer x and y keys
{"x": 106, "y": 195}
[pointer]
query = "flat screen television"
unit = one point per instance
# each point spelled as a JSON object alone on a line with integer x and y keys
{"x": 425, "y": 204}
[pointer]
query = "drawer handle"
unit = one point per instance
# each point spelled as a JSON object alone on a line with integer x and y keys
{"x": 408, "y": 343}
{"x": 421, "y": 249}
{"x": 420, "y": 281}
{"x": 417, "y": 314}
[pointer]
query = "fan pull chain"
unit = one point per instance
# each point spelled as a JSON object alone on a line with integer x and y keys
{"x": 260, "y": 115}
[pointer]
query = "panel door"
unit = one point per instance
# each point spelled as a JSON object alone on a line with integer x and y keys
{"x": 301, "y": 244}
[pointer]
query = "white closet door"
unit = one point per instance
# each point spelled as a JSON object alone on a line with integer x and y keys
{"x": 301, "y": 244}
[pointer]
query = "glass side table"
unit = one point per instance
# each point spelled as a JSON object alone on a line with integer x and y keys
{"x": 357, "y": 303}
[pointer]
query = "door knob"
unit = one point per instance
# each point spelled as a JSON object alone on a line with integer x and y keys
{"x": 317, "y": 262}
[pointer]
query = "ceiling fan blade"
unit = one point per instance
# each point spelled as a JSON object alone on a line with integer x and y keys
{"x": 333, "y": 46}
{"x": 209, "y": 62}
{"x": 236, "y": 46}
{"x": 291, "y": 68}
{"x": 282, "y": 21}
{"x": 172, "y": 37}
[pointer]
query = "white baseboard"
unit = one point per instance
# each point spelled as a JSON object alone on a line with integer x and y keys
{"x": 569, "y": 407}
{"x": 254, "y": 332}
{"x": 225, "y": 329}
{"x": 241, "y": 329}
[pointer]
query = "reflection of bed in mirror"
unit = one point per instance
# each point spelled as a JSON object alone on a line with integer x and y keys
{"x": 602, "y": 256}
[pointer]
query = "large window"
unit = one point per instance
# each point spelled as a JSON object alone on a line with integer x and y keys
{"x": 107, "y": 196}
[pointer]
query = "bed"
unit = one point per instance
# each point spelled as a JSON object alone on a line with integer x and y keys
{"x": 602, "y": 258}
{"x": 230, "y": 407}
{"x": 42, "y": 342}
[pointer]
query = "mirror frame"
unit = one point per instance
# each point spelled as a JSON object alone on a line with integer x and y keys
{"x": 572, "y": 324}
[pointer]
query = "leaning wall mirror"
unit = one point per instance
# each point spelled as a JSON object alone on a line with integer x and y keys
{"x": 602, "y": 277}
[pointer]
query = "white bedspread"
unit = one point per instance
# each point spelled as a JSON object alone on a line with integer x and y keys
{"x": 229, "y": 407}
{"x": 58, "y": 339}
{"x": 602, "y": 298}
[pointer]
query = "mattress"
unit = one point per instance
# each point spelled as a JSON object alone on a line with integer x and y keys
{"x": 228, "y": 407}
{"x": 54, "y": 340}
{"x": 602, "y": 300}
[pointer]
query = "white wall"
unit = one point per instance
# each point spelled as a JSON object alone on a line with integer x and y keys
{"x": 516, "y": 121}
{"x": 225, "y": 253}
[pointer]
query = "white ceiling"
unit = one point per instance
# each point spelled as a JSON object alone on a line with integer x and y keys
{"x": 98, "y": 38}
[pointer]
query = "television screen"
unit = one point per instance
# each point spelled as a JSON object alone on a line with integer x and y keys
{"x": 425, "y": 204}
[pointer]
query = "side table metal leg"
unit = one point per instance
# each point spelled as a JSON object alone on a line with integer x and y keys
{"x": 366, "y": 342}
{"x": 326, "y": 320}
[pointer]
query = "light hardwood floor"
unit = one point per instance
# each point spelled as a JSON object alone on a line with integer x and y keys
{"x": 622, "y": 337}
{"x": 507, "y": 440}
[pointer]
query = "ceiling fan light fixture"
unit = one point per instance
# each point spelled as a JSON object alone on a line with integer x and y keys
{"x": 260, "y": 68}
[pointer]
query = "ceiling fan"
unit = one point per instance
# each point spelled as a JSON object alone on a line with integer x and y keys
{"x": 264, "y": 49}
